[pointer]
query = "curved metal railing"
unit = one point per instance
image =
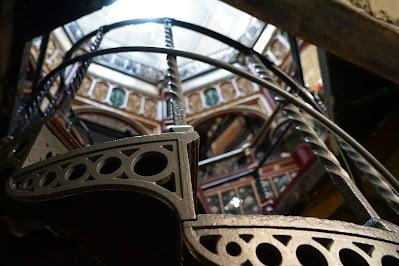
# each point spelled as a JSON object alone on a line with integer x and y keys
{"x": 387, "y": 185}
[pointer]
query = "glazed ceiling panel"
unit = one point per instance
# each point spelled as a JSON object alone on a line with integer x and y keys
{"x": 211, "y": 14}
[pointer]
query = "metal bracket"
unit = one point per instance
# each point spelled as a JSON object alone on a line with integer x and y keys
{"x": 157, "y": 165}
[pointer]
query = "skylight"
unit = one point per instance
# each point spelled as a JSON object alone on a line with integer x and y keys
{"x": 211, "y": 14}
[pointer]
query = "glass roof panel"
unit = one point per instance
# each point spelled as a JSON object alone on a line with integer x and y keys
{"x": 211, "y": 14}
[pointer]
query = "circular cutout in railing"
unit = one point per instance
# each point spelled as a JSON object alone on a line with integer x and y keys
{"x": 268, "y": 254}
{"x": 309, "y": 255}
{"x": 47, "y": 179}
{"x": 109, "y": 165}
{"x": 233, "y": 249}
{"x": 150, "y": 163}
{"x": 349, "y": 257}
{"x": 389, "y": 261}
{"x": 26, "y": 185}
{"x": 76, "y": 172}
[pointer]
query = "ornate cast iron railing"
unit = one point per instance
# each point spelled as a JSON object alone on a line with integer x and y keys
{"x": 165, "y": 166}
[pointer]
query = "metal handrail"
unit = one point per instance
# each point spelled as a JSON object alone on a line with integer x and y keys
{"x": 310, "y": 105}
{"x": 323, "y": 120}
{"x": 384, "y": 173}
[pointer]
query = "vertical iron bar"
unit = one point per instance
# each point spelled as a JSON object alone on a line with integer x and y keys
{"x": 277, "y": 141}
{"x": 40, "y": 61}
{"x": 265, "y": 74}
{"x": 75, "y": 119}
{"x": 265, "y": 128}
{"x": 297, "y": 59}
{"x": 173, "y": 79}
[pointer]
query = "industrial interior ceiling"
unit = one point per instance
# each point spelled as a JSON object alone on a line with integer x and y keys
{"x": 199, "y": 133}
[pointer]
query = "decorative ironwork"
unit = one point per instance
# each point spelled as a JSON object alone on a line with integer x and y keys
{"x": 117, "y": 61}
{"x": 195, "y": 68}
{"x": 338, "y": 175}
{"x": 165, "y": 167}
{"x": 300, "y": 103}
{"x": 378, "y": 181}
{"x": 75, "y": 77}
{"x": 173, "y": 79}
{"x": 284, "y": 240}
{"x": 157, "y": 165}
{"x": 32, "y": 112}
{"x": 188, "y": 70}
{"x": 321, "y": 118}
{"x": 381, "y": 185}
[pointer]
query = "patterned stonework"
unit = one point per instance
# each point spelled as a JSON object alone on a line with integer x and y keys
{"x": 195, "y": 103}
{"x": 84, "y": 88}
{"x": 228, "y": 91}
{"x": 385, "y": 10}
{"x": 363, "y": 4}
{"x": 134, "y": 103}
{"x": 245, "y": 85}
{"x": 150, "y": 108}
{"x": 100, "y": 91}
